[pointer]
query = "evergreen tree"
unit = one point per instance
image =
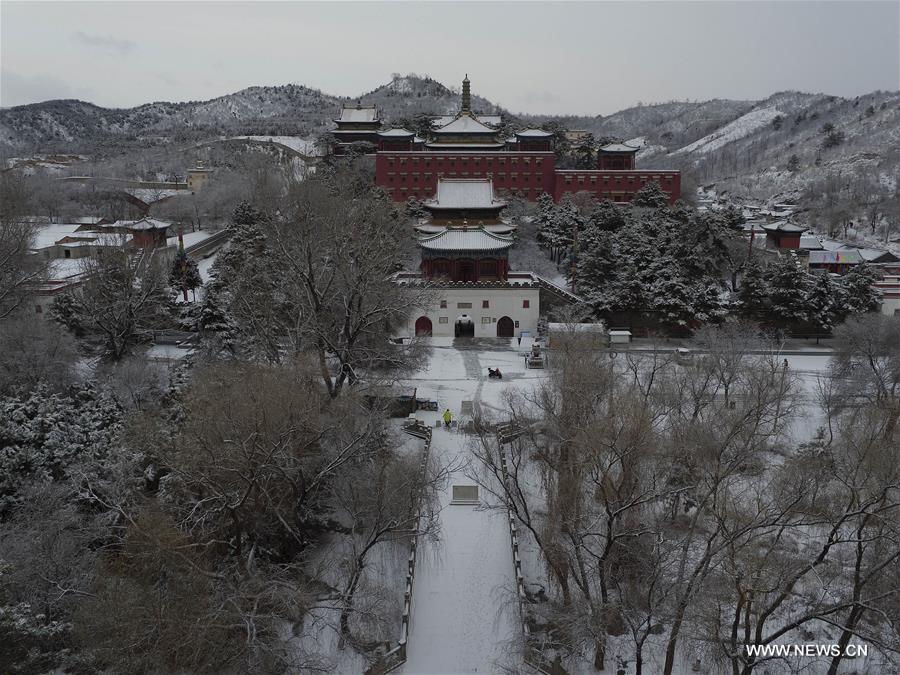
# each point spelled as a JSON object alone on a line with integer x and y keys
{"x": 789, "y": 287}
{"x": 860, "y": 295}
{"x": 793, "y": 164}
{"x": 42, "y": 434}
{"x": 242, "y": 311}
{"x": 546, "y": 214}
{"x": 65, "y": 310}
{"x": 651, "y": 196}
{"x": 753, "y": 294}
{"x": 682, "y": 303}
{"x": 824, "y": 302}
{"x": 184, "y": 275}
{"x": 415, "y": 209}
{"x": 733, "y": 217}
{"x": 609, "y": 216}
{"x": 216, "y": 326}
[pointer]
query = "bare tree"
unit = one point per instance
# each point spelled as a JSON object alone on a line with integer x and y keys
{"x": 122, "y": 297}
{"x": 338, "y": 246}
{"x": 19, "y": 271}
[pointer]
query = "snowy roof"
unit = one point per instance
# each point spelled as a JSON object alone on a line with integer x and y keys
{"x": 785, "y": 227}
{"x": 870, "y": 254}
{"x": 832, "y": 245}
{"x": 484, "y": 119}
{"x": 810, "y": 242}
{"x": 427, "y": 228}
{"x": 466, "y": 240}
{"x": 465, "y": 193}
{"x": 465, "y": 146}
{"x": 359, "y": 114}
{"x": 64, "y": 268}
{"x": 396, "y": 133}
{"x": 47, "y": 235}
{"x": 534, "y": 133}
{"x": 465, "y": 124}
{"x": 577, "y": 327}
{"x": 850, "y": 256}
{"x": 618, "y": 147}
{"x": 142, "y": 224}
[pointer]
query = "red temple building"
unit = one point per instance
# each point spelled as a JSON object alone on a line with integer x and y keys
{"x": 783, "y": 234}
{"x": 459, "y": 200}
{"x": 616, "y": 157}
{"x": 463, "y": 254}
{"x": 359, "y": 124}
{"x": 470, "y": 146}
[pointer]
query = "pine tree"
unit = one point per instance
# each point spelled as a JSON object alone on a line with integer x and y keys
{"x": 184, "y": 275}
{"x": 789, "y": 288}
{"x": 753, "y": 294}
{"x": 545, "y": 217}
{"x": 793, "y": 164}
{"x": 651, "y": 196}
{"x": 217, "y": 328}
{"x": 415, "y": 209}
{"x": 824, "y": 302}
{"x": 65, "y": 311}
{"x": 859, "y": 294}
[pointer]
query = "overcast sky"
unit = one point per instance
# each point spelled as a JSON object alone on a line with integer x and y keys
{"x": 547, "y": 57}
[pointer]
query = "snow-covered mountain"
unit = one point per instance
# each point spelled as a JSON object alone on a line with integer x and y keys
{"x": 746, "y": 144}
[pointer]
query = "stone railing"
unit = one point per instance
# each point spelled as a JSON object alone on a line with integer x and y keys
{"x": 532, "y": 655}
{"x": 396, "y": 656}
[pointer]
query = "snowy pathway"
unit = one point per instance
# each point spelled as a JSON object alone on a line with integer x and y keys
{"x": 463, "y": 616}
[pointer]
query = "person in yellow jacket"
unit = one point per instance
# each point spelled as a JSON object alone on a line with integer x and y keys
{"x": 448, "y": 417}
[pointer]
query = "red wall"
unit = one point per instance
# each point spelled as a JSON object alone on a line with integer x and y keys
{"x": 785, "y": 240}
{"x": 408, "y": 174}
{"x": 415, "y": 174}
{"x": 615, "y": 161}
{"x": 615, "y": 185}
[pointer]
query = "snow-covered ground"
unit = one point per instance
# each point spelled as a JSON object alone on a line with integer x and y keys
{"x": 190, "y": 238}
{"x": 204, "y": 266}
{"x": 63, "y": 268}
{"x": 742, "y": 126}
{"x": 464, "y": 619}
{"x": 47, "y": 235}
{"x": 302, "y": 145}
{"x": 152, "y": 195}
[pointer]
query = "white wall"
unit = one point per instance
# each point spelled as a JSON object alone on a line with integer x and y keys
{"x": 890, "y": 305}
{"x": 501, "y": 301}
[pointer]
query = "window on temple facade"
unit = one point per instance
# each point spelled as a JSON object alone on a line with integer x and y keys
{"x": 526, "y": 304}
{"x": 485, "y": 304}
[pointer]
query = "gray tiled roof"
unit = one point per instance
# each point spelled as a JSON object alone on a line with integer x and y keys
{"x": 368, "y": 114}
{"x": 465, "y": 193}
{"x": 466, "y": 240}
{"x": 618, "y": 147}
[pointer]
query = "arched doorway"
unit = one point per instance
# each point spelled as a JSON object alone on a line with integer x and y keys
{"x": 465, "y": 327}
{"x": 505, "y": 327}
{"x": 423, "y": 327}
